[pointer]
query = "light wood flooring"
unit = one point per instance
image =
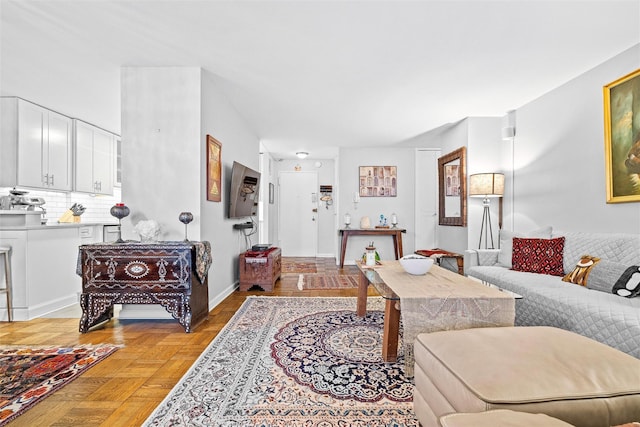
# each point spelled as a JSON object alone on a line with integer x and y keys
{"x": 126, "y": 387}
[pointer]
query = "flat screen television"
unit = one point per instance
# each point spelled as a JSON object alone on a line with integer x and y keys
{"x": 243, "y": 191}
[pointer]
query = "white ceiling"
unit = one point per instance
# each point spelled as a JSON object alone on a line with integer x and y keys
{"x": 316, "y": 75}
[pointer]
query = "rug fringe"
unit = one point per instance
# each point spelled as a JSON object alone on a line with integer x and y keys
{"x": 300, "y": 282}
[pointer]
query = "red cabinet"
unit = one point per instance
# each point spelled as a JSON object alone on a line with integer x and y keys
{"x": 261, "y": 268}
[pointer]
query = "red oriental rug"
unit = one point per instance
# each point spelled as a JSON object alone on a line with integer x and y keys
{"x": 297, "y": 266}
{"x": 327, "y": 281}
{"x": 28, "y": 375}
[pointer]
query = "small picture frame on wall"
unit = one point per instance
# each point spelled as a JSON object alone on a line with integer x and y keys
{"x": 214, "y": 169}
{"x": 378, "y": 181}
{"x": 622, "y": 138}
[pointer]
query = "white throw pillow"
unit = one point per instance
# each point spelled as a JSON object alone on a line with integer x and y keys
{"x": 506, "y": 243}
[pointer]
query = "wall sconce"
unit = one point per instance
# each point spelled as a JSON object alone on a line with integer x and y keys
{"x": 302, "y": 154}
{"x": 486, "y": 185}
{"x": 356, "y": 199}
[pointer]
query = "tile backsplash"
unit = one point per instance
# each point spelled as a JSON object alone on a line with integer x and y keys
{"x": 57, "y": 203}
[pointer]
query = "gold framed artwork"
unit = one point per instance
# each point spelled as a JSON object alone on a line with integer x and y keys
{"x": 378, "y": 181}
{"x": 622, "y": 138}
{"x": 214, "y": 169}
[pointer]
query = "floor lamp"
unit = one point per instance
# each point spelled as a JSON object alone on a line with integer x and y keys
{"x": 486, "y": 185}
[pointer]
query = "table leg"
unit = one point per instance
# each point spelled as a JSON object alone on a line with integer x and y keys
{"x": 460, "y": 262}
{"x": 390, "y": 331}
{"x": 400, "y": 254}
{"x": 395, "y": 245}
{"x": 363, "y": 284}
{"x": 343, "y": 249}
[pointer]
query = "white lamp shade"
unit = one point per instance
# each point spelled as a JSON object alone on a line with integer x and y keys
{"x": 486, "y": 185}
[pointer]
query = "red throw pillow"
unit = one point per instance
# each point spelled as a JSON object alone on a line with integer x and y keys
{"x": 543, "y": 256}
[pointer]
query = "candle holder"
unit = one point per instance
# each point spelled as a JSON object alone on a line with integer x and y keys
{"x": 119, "y": 210}
{"x": 185, "y": 218}
{"x": 394, "y": 220}
{"x": 347, "y": 220}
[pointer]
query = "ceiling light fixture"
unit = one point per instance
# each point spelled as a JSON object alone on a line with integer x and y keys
{"x": 302, "y": 154}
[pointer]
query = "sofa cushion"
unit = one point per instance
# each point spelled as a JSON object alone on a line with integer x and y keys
{"x": 581, "y": 271}
{"x": 628, "y": 285}
{"x": 615, "y": 247}
{"x": 531, "y": 369}
{"x": 542, "y": 256}
{"x": 605, "y": 274}
{"x": 506, "y": 243}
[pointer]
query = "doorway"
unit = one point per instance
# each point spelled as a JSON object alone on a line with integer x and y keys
{"x": 426, "y": 198}
{"x": 298, "y": 213}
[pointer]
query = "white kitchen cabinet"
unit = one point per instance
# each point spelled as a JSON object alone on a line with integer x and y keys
{"x": 94, "y": 162}
{"x": 43, "y": 267}
{"x": 36, "y": 146}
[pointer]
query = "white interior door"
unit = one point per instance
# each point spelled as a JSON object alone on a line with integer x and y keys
{"x": 298, "y": 213}
{"x": 426, "y": 198}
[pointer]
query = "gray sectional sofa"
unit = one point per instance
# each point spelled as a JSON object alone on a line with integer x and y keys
{"x": 593, "y": 310}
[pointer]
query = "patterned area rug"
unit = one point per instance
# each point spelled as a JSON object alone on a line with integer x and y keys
{"x": 28, "y": 375}
{"x": 293, "y": 362}
{"x": 327, "y": 281}
{"x": 296, "y": 266}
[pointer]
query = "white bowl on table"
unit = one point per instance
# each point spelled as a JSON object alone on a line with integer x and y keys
{"x": 416, "y": 264}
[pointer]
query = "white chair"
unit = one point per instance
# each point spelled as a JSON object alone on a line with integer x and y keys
{"x": 4, "y": 250}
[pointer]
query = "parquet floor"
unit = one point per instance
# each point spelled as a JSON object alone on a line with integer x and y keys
{"x": 125, "y": 388}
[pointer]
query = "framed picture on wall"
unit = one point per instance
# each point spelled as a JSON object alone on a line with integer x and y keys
{"x": 378, "y": 181}
{"x": 622, "y": 138}
{"x": 214, "y": 169}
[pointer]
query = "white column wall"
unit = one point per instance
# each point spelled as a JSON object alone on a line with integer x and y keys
{"x": 161, "y": 153}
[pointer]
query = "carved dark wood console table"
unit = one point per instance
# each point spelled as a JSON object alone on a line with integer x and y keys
{"x": 172, "y": 274}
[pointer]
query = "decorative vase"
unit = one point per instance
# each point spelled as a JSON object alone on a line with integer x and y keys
{"x": 185, "y": 218}
{"x": 347, "y": 220}
{"x": 119, "y": 210}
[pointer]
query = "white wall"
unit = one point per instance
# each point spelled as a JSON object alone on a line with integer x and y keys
{"x": 447, "y": 138}
{"x": 484, "y": 154}
{"x": 221, "y": 120}
{"x": 559, "y": 163}
{"x": 403, "y": 204}
{"x": 161, "y": 148}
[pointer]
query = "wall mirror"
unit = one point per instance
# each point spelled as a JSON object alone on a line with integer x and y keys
{"x": 452, "y": 188}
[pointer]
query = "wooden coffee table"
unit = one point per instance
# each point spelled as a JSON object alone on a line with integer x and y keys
{"x": 391, "y": 327}
{"x": 438, "y": 287}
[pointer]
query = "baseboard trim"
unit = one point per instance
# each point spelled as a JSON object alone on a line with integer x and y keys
{"x": 39, "y": 310}
{"x": 225, "y": 293}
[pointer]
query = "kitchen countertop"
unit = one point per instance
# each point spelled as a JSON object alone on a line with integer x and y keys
{"x": 55, "y": 224}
